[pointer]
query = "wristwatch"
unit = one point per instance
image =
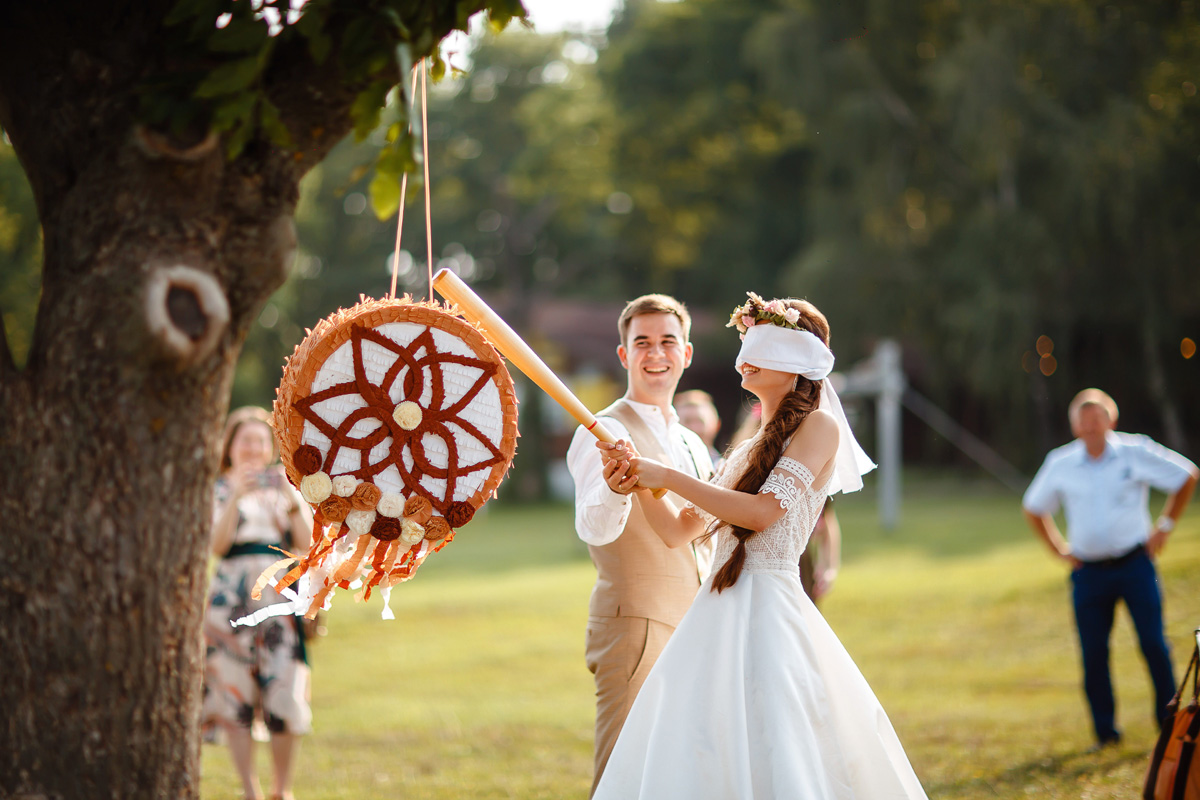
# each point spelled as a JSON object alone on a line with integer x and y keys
{"x": 1164, "y": 524}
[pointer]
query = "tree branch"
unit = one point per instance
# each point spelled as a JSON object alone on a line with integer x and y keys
{"x": 314, "y": 101}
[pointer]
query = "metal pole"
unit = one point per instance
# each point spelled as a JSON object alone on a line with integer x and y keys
{"x": 887, "y": 411}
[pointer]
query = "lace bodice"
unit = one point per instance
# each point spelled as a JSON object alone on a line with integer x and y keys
{"x": 778, "y": 547}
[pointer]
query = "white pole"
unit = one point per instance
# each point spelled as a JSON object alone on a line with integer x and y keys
{"x": 887, "y": 414}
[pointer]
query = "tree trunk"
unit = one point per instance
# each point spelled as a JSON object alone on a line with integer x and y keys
{"x": 154, "y": 269}
{"x": 1156, "y": 386}
{"x": 158, "y": 255}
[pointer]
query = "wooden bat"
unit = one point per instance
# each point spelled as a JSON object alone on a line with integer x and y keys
{"x": 514, "y": 348}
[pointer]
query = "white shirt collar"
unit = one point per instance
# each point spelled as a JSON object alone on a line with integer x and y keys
{"x": 652, "y": 412}
{"x": 1111, "y": 443}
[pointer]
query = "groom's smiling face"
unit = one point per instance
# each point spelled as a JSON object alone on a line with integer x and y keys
{"x": 655, "y": 354}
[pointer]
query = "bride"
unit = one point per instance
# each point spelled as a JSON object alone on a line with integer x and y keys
{"x": 754, "y": 696}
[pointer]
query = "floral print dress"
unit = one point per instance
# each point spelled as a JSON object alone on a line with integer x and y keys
{"x": 259, "y": 669}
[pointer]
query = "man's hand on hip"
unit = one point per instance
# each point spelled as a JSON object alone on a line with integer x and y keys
{"x": 1156, "y": 542}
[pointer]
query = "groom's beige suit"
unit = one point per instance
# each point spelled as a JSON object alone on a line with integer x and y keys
{"x": 643, "y": 588}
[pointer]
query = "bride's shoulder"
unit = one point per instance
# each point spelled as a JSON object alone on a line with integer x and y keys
{"x": 815, "y": 439}
{"x": 820, "y": 423}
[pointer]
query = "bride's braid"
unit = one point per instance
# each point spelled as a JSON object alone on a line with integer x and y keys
{"x": 765, "y": 453}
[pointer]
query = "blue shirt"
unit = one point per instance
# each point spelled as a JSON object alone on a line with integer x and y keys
{"x": 1106, "y": 499}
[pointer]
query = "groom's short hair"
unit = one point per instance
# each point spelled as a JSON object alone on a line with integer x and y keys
{"x": 654, "y": 304}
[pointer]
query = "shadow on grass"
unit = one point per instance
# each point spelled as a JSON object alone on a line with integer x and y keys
{"x": 1075, "y": 767}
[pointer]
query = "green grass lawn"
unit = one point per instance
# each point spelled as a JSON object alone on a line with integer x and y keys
{"x": 958, "y": 618}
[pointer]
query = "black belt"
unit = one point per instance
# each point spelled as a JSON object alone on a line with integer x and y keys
{"x": 254, "y": 549}
{"x": 1117, "y": 561}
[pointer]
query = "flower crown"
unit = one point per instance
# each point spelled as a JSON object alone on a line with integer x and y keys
{"x": 757, "y": 311}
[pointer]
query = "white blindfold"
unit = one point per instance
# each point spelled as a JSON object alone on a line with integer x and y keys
{"x": 799, "y": 352}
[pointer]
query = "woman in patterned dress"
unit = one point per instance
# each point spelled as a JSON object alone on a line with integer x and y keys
{"x": 263, "y": 669}
{"x": 754, "y": 696}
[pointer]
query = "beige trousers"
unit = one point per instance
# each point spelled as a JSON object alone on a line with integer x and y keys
{"x": 620, "y": 652}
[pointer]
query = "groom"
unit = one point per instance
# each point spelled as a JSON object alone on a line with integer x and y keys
{"x": 642, "y": 587}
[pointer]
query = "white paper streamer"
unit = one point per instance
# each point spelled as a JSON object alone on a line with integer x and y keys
{"x": 296, "y": 605}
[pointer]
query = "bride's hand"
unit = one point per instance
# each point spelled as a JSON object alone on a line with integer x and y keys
{"x": 618, "y": 477}
{"x": 649, "y": 473}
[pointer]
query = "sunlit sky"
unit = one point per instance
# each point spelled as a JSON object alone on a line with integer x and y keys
{"x": 556, "y": 15}
{"x": 547, "y": 16}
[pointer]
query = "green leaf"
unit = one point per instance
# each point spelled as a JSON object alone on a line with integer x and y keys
{"x": 437, "y": 70}
{"x": 237, "y": 139}
{"x": 385, "y": 194}
{"x": 397, "y": 158}
{"x": 268, "y": 117}
{"x": 366, "y": 108}
{"x": 311, "y": 26}
{"x": 229, "y": 78}
{"x": 236, "y": 110}
{"x": 393, "y": 19}
{"x": 319, "y": 46}
{"x": 498, "y": 20}
{"x": 193, "y": 10}
{"x": 359, "y": 43}
{"x": 501, "y": 12}
{"x": 464, "y": 12}
{"x": 239, "y": 36}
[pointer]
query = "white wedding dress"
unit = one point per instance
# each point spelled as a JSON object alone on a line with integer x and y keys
{"x": 754, "y": 696}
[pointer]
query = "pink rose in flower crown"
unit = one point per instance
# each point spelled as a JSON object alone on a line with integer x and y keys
{"x": 748, "y": 320}
{"x": 792, "y": 316}
{"x": 775, "y": 307}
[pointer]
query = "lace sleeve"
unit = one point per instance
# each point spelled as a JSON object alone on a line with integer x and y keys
{"x": 787, "y": 481}
{"x": 706, "y": 519}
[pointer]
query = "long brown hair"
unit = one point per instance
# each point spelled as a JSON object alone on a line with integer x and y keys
{"x": 237, "y": 418}
{"x": 764, "y": 454}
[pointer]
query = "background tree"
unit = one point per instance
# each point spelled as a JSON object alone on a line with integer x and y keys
{"x": 164, "y": 144}
{"x": 995, "y": 173}
{"x": 986, "y": 182}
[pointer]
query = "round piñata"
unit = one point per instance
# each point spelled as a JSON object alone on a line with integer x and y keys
{"x": 396, "y": 420}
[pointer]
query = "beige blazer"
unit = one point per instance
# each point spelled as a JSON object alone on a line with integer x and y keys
{"x": 638, "y": 575}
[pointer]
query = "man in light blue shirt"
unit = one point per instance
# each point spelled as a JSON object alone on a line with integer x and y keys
{"x": 1102, "y": 483}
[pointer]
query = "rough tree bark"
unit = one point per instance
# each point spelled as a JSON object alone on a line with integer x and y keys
{"x": 158, "y": 256}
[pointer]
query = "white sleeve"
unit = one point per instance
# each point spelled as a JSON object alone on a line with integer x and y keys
{"x": 600, "y": 513}
{"x": 1042, "y": 496}
{"x": 1161, "y": 467}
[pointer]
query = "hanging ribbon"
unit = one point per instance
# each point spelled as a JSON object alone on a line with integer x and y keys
{"x": 404, "y": 187}
{"x": 403, "y": 195}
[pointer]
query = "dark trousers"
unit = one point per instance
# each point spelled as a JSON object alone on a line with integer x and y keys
{"x": 1096, "y": 590}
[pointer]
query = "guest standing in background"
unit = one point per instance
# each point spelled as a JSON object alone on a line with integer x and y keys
{"x": 263, "y": 669}
{"x": 1102, "y": 482}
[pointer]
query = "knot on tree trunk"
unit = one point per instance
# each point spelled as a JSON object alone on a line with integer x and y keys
{"x": 186, "y": 311}
{"x": 156, "y": 145}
